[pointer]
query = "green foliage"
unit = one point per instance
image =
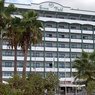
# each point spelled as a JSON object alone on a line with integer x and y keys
{"x": 31, "y": 34}
{"x": 35, "y": 84}
{"x": 17, "y": 82}
{"x": 91, "y": 87}
{"x": 51, "y": 83}
{"x": 85, "y": 66}
{"x": 3, "y": 89}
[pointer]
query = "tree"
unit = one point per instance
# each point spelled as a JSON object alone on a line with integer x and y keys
{"x": 51, "y": 83}
{"x": 85, "y": 66}
{"x": 12, "y": 35}
{"x": 35, "y": 85}
{"x": 5, "y": 16}
{"x": 31, "y": 34}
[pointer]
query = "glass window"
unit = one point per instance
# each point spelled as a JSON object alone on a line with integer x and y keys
{"x": 50, "y": 24}
{"x": 61, "y": 65}
{"x": 88, "y": 46}
{"x": 7, "y": 53}
{"x": 89, "y": 37}
{"x": 75, "y": 36}
{"x": 62, "y": 55}
{"x": 63, "y": 45}
{"x": 39, "y": 65}
{"x": 61, "y": 26}
{"x": 67, "y": 74}
{"x": 48, "y": 35}
{"x": 63, "y": 35}
{"x": 61, "y": 74}
{"x": 49, "y": 64}
{"x": 8, "y": 64}
{"x": 19, "y": 53}
{"x": 20, "y": 64}
{"x": 49, "y": 54}
{"x": 73, "y": 27}
{"x": 67, "y": 64}
{"x": 75, "y": 45}
{"x": 48, "y": 44}
{"x": 7, "y": 73}
{"x": 37, "y": 54}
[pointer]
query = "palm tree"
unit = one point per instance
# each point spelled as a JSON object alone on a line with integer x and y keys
{"x": 31, "y": 34}
{"x": 85, "y": 66}
{"x": 12, "y": 35}
{"x": 5, "y": 16}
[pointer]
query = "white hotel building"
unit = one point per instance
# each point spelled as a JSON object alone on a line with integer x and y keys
{"x": 66, "y": 33}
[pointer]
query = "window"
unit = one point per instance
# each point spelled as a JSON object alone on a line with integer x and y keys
{"x": 39, "y": 64}
{"x": 8, "y": 64}
{"x": 48, "y": 25}
{"x": 67, "y": 74}
{"x": 19, "y": 53}
{"x": 8, "y": 53}
{"x": 65, "y": 35}
{"x": 75, "y": 45}
{"x": 20, "y": 64}
{"x": 48, "y": 35}
{"x": 61, "y": 74}
{"x": 62, "y": 55}
{"x": 48, "y": 54}
{"x": 67, "y": 64}
{"x": 63, "y": 45}
{"x": 37, "y": 54}
{"x": 88, "y": 46}
{"x": 73, "y": 55}
{"x": 61, "y": 65}
{"x": 62, "y": 36}
{"x": 73, "y": 27}
{"x": 75, "y": 36}
{"x": 49, "y": 64}
{"x": 88, "y": 37}
{"x": 61, "y": 26}
{"x": 7, "y": 73}
{"x": 87, "y": 28}
{"x": 48, "y": 44}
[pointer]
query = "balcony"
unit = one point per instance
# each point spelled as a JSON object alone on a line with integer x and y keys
{"x": 64, "y": 49}
{"x": 87, "y": 32}
{"x": 75, "y": 31}
{"x": 63, "y": 39}
{"x": 76, "y": 50}
{"x": 50, "y": 39}
{"x": 87, "y": 41}
{"x": 50, "y": 49}
{"x": 76, "y": 40}
{"x": 63, "y": 30}
{"x": 50, "y": 29}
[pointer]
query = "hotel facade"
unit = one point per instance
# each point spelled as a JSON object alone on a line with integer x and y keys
{"x": 66, "y": 32}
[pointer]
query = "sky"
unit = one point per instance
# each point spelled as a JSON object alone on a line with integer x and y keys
{"x": 81, "y": 4}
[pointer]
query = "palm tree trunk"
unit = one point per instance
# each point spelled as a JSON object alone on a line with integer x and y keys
{"x": 0, "y": 59}
{"x": 25, "y": 62}
{"x": 15, "y": 60}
